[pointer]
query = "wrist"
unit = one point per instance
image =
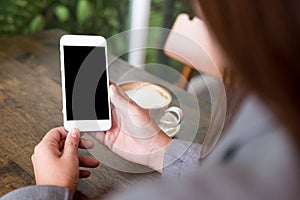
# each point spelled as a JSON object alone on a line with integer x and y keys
{"x": 156, "y": 157}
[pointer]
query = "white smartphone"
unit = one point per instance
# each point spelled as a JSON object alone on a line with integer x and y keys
{"x": 85, "y": 83}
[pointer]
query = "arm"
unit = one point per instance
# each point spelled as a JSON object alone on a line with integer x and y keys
{"x": 39, "y": 192}
{"x": 263, "y": 168}
{"x": 180, "y": 158}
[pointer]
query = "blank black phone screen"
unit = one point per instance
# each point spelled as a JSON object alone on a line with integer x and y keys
{"x": 86, "y": 87}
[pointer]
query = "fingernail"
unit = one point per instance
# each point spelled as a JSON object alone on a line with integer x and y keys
{"x": 74, "y": 133}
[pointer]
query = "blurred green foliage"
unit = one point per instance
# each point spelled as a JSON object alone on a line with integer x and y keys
{"x": 21, "y": 16}
{"x": 104, "y": 17}
{"x": 101, "y": 17}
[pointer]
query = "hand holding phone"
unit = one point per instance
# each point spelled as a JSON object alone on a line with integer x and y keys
{"x": 85, "y": 82}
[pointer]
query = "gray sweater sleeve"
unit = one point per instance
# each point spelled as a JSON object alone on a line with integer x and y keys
{"x": 181, "y": 157}
{"x": 44, "y": 192}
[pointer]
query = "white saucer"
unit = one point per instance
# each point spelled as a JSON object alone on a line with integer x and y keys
{"x": 169, "y": 130}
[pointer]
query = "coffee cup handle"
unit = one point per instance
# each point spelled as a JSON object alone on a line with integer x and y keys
{"x": 178, "y": 114}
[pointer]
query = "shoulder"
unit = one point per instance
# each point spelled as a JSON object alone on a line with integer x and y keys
{"x": 263, "y": 157}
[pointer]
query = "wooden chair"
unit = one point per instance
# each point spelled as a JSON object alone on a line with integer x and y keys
{"x": 190, "y": 43}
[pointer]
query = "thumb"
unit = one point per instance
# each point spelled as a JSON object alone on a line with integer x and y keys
{"x": 71, "y": 143}
{"x": 118, "y": 97}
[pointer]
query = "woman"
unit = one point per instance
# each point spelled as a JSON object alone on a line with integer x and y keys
{"x": 259, "y": 156}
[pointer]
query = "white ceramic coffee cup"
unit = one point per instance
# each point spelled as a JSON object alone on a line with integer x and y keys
{"x": 156, "y": 99}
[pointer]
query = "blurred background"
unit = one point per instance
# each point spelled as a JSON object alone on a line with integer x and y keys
{"x": 101, "y": 17}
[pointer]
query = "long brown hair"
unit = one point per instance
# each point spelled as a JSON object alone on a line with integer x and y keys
{"x": 262, "y": 40}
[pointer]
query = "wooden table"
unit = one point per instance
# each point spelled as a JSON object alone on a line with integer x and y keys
{"x": 30, "y": 105}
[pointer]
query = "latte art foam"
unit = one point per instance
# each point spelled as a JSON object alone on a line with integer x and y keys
{"x": 147, "y": 97}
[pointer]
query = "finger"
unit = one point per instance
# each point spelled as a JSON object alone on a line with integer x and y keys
{"x": 62, "y": 144}
{"x": 112, "y": 106}
{"x": 122, "y": 93}
{"x": 72, "y": 143}
{"x": 88, "y": 162}
{"x": 118, "y": 97}
{"x": 100, "y": 136}
{"x": 84, "y": 173}
{"x": 51, "y": 142}
{"x": 86, "y": 144}
{"x": 56, "y": 134}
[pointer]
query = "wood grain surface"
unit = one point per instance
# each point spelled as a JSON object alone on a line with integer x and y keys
{"x": 30, "y": 105}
